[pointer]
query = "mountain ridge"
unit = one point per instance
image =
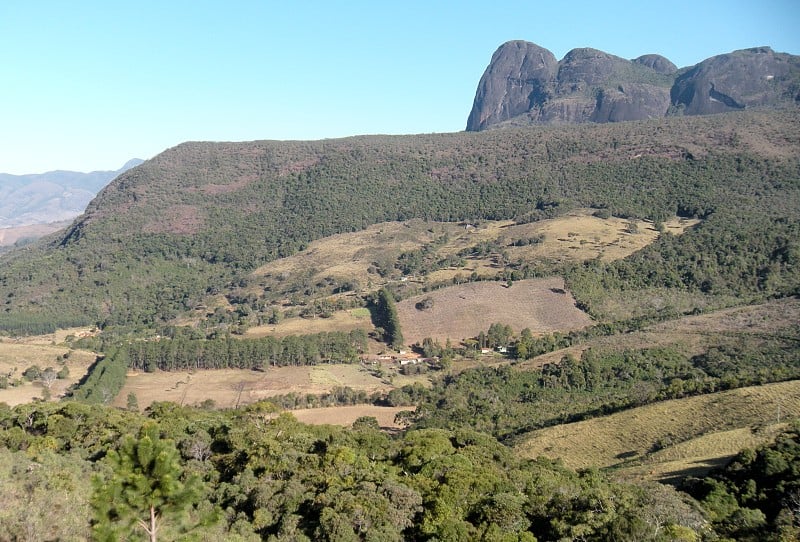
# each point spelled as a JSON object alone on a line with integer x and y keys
{"x": 53, "y": 196}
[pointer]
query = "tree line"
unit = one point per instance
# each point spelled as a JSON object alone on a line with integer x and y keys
{"x": 180, "y": 353}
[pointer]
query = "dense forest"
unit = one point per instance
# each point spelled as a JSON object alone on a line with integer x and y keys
{"x": 251, "y": 474}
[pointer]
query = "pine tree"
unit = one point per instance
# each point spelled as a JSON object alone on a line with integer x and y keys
{"x": 144, "y": 489}
{"x": 390, "y": 319}
{"x": 132, "y": 402}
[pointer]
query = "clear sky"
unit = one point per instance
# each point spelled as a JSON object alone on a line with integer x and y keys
{"x": 87, "y": 84}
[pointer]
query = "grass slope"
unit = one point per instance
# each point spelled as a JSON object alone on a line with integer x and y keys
{"x": 463, "y": 311}
{"x": 693, "y": 335}
{"x": 671, "y": 438}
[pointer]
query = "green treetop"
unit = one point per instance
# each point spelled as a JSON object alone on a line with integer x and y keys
{"x": 144, "y": 489}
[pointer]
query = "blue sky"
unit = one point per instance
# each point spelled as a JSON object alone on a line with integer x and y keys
{"x": 87, "y": 85}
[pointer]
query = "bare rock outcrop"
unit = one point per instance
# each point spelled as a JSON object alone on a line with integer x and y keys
{"x": 524, "y": 84}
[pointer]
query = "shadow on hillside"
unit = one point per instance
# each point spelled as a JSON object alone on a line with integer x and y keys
{"x": 699, "y": 469}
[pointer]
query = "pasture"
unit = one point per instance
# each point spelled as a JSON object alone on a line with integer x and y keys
{"x": 463, "y": 311}
{"x": 229, "y": 388}
{"x": 346, "y": 415}
{"x": 339, "y": 321}
{"x": 354, "y": 257}
{"x": 18, "y": 355}
{"x": 670, "y": 438}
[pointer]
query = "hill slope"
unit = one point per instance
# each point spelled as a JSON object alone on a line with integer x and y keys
{"x": 196, "y": 220}
{"x": 646, "y": 433}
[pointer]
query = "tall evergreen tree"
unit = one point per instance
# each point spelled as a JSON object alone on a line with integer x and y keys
{"x": 144, "y": 489}
{"x": 390, "y": 319}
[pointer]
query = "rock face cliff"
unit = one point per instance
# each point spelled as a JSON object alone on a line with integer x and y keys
{"x": 521, "y": 77}
{"x": 525, "y": 84}
{"x": 746, "y": 78}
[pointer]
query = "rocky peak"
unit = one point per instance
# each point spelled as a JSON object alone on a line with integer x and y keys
{"x": 657, "y": 63}
{"x": 745, "y": 78}
{"x": 520, "y": 76}
{"x": 524, "y": 84}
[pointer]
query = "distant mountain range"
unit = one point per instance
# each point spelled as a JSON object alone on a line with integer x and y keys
{"x": 525, "y": 84}
{"x": 47, "y": 198}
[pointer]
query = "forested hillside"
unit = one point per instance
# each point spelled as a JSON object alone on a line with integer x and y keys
{"x": 197, "y": 219}
{"x": 250, "y": 474}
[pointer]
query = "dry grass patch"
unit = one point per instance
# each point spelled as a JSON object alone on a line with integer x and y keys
{"x": 346, "y": 415}
{"x": 348, "y": 256}
{"x": 231, "y": 387}
{"x": 16, "y": 357}
{"x": 340, "y": 321}
{"x": 697, "y": 456}
{"x": 647, "y": 434}
{"x": 762, "y": 318}
{"x": 51, "y": 339}
{"x": 463, "y": 311}
{"x": 10, "y": 235}
{"x": 581, "y": 236}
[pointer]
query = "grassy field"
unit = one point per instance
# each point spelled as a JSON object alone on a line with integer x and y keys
{"x": 349, "y": 256}
{"x": 17, "y": 355}
{"x": 339, "y": 321}
{"x": 671, "y": 438}
{"x": 463, "y": 311}
{"x": 353, "y": 257}
{"x": 231, "y": 387}
{"x": 581, "y": 236}
{"x": 576, "y": 236}
{"x": 346, "y": 415}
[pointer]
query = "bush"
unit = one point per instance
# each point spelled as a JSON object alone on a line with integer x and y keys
{"x": 32, "y": 373}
